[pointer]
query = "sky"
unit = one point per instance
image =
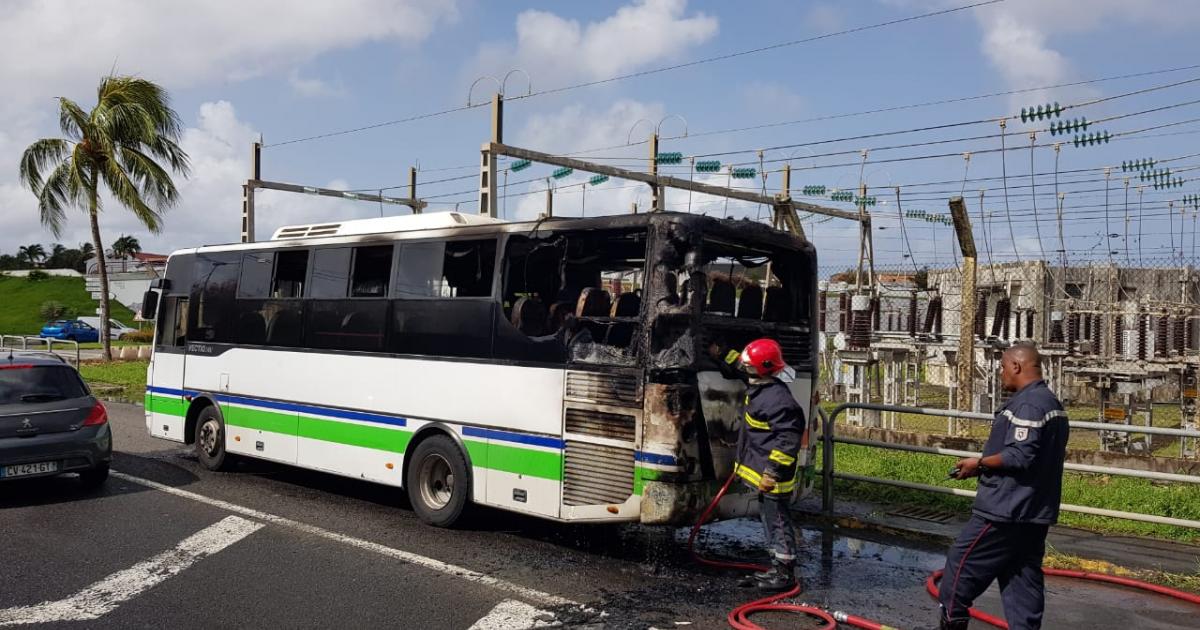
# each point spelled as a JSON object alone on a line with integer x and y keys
{"x": 288, "y": 71}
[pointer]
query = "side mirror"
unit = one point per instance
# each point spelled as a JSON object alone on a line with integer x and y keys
{"x": 150, "y": 305}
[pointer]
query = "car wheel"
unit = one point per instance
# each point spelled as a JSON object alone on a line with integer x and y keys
{"x": 439, "y": 481}
{"x": 210, "y": 440}
{"x": 94, "y": 478}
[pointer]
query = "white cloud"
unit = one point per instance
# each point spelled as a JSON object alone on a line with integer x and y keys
{"x": 314, "y": 88}
{"x": 182, "y": 44}
{"x": 824, "y": 18}
{"x": 555, "y": 49}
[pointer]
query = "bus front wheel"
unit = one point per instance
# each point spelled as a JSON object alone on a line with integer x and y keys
{"x": 438, "y": 481}
{"x": 210, "y": 440}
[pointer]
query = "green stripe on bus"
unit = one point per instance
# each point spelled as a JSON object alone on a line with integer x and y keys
{"x": 166, "y": 405}
{"x": 641, "y": 476}
{"x": 379, "y": 438}
{"x": 522, "y": 461}
{"x": 248, "y": 418}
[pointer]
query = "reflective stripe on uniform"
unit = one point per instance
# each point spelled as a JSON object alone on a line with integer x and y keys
{"x": 782, "y": 458}
{"x": 757, "y": 424}
{"x": 753, "y": 476}
{"x": 1033, "y": 424}
{"x": 731, "y": 357}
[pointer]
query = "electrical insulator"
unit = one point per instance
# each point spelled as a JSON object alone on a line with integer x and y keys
{"x": 1143, "y": 335}
{"x": 875, "y": 313}
{"x": 596, "y": 180}
{"x": 670, "y": 157}
{"x": 1118, "y": 336}
{"x": 1006, "y": 330}
{"x": 937, "y": 319}
{"x": 1097, "y": 333}
{"x": 843, "y": 311}
{"x": 743, "y": 173}
{"x": 931, "y": 315}
{"x": 1161, "y": 336}
{"x": 860, "y": 321}
{"x": 1056, "y": 328}
{"x": 1189, "y": 341}
{"x": 912, "y": 315}
{"x": 1179, "y": 336}
{"x": 1029, "y": 324}
{"x": 980, "y": 316}
{"x": 708, "y": 166}
{"x": 998, "y": 317}
{"x": 1072, "y": 330}
{"x": 821, "y": 308}
{"x": 1086, "y": 323}
{"x": 519, "y": 165}
{"x": 562, "y": 172}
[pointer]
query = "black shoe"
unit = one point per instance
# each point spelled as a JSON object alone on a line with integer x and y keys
{"x": 782, "y": 577}
{"x": 960, "y": 624}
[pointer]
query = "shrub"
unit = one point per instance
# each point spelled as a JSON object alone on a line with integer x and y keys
{"x": 54, "y": 309}
{"x": 139, "y": 336}
{"x": 37, "y": 275}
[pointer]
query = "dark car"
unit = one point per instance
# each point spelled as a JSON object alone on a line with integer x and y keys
{"x": 49, "y": 421}
{"x": 71, "y": 329}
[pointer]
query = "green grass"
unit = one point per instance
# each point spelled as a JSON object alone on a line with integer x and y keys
{"x": 116, "y": 343}
{"x": 20, "y": 301}
{"x": 1102, "y": 491}
{"x": 128, "y": 376}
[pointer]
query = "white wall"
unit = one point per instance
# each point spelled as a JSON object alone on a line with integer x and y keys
{"x": 21, "y": 273}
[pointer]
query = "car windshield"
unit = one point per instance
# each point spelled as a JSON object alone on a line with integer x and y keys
{"x": 38, "y": 383}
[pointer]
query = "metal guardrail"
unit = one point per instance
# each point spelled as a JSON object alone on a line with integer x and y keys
{"x": 48, "y": 342}
{"x": 828, "y": 473}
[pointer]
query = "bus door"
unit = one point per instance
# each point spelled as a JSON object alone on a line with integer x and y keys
{"x": 166, "y": 408}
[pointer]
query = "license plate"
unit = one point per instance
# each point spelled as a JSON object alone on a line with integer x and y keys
{"x": 22, "y": 470}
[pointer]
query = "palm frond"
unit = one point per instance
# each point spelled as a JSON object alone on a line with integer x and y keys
{"x": 128, "y": 195}
{"x": 166, "y": 149}
{"x": 152, "y": 180}
{"x": 151, "y": 97}
{"x": 124, "y": 122}
{"x": 39, "y": 155}
{"x": 73, "y": 121}
{"x": 58, "y": 192}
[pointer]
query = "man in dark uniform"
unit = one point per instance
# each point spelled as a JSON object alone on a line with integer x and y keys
{"x": 1020, "y": 486}
{"x": 769, "y": 440}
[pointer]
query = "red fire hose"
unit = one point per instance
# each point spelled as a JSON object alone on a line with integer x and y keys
{"x": 931, "y": 585}
{"x": 739, "y": 618}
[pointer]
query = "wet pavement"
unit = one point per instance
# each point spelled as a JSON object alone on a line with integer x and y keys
{"x": 338, "y": 552}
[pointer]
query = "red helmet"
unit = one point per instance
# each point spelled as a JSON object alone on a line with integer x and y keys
{"x": 763, "y": 357}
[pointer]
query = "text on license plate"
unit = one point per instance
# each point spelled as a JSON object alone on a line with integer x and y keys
{"x": 21, "y": 470}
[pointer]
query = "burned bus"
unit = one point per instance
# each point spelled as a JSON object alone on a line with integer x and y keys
{"x": 557, "y": 368}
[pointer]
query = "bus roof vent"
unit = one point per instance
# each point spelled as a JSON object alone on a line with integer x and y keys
{"x": 406, "y": 223}
{"x": 305, "y": 231}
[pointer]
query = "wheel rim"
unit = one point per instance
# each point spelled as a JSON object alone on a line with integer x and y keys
{"x": 437, "y": 481}
{"x": 210, "y": 437}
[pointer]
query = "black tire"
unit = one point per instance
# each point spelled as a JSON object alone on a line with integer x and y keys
{"x": 439, "y": 481}
{"x": 210, "y": 440}
{"x": 94, "y": 478}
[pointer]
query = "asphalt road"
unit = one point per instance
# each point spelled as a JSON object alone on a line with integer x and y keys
{"x": 169, "y": 544}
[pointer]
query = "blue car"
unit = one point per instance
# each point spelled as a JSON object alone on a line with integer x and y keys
{"x": 72, "y": 329}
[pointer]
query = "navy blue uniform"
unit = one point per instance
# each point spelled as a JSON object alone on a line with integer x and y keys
{"x": 1005, "y": 539}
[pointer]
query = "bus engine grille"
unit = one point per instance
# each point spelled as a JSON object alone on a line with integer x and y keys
{"x": 797, "y": 349}
{"x": 613, "y": 426}
{"x": 605, "y": 388}
{"x": 594, "y": 474}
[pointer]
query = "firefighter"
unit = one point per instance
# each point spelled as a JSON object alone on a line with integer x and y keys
{"x": 769, "y": 442}
{"x": 1020, "y": 485}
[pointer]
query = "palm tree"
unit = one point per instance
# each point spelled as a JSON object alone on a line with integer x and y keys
{"x": 31, "y": 253}
{"x": 125, "y": 246}
{"x": 118, "y": 144}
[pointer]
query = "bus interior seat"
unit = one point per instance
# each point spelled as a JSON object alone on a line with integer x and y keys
{"x": 284, "y": 329}
{"x": 529, "y": 316}
{"x": 593, "y": 302}
{"x": 750, "y": 305}
{"x": 252, "y": 327}
{"x": 721, "y": 297}
{"x": 777, "y": 308}
{"x": 558, "y": 315}
{"x": 621, "y": 333}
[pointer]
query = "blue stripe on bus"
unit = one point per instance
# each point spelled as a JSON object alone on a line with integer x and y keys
{"x": 330, "y": 412}
{"x": 518, "y": 438}
{"x": 655, "y": 458}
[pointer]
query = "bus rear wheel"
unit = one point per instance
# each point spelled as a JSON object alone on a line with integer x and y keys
{"x": 438, "y": 481}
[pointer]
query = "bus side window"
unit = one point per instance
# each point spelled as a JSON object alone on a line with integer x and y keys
{"x": 180, "y": 329}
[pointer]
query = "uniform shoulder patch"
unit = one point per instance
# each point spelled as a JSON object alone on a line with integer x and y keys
{"x": 1021, "y": 434}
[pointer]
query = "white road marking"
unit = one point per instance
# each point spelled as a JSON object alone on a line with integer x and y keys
{"x": 104, "y": 596}
{"x": 511, "y": 614}
{"x": 432, "y": 564}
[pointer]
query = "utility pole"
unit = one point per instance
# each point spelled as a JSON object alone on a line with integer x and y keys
{"x": 487, "y": 160}
{"x": 412, "y": 187}
{"x": 966, "y": 322}
{"x": 787, "y": 194}
{"x": 657, "y": 199}
{"x": 248, "y": 191}
{"x": 549, "y": 199}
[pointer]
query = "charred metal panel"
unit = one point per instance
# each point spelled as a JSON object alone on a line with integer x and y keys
{"x": 621, "y": 389}
{"x": 601, "y": 424}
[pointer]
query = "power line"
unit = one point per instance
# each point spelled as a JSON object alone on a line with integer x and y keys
{"x": 642, "y": 73}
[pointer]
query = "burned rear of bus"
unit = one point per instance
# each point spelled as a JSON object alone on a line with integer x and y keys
{"x": 630, "y": 305}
